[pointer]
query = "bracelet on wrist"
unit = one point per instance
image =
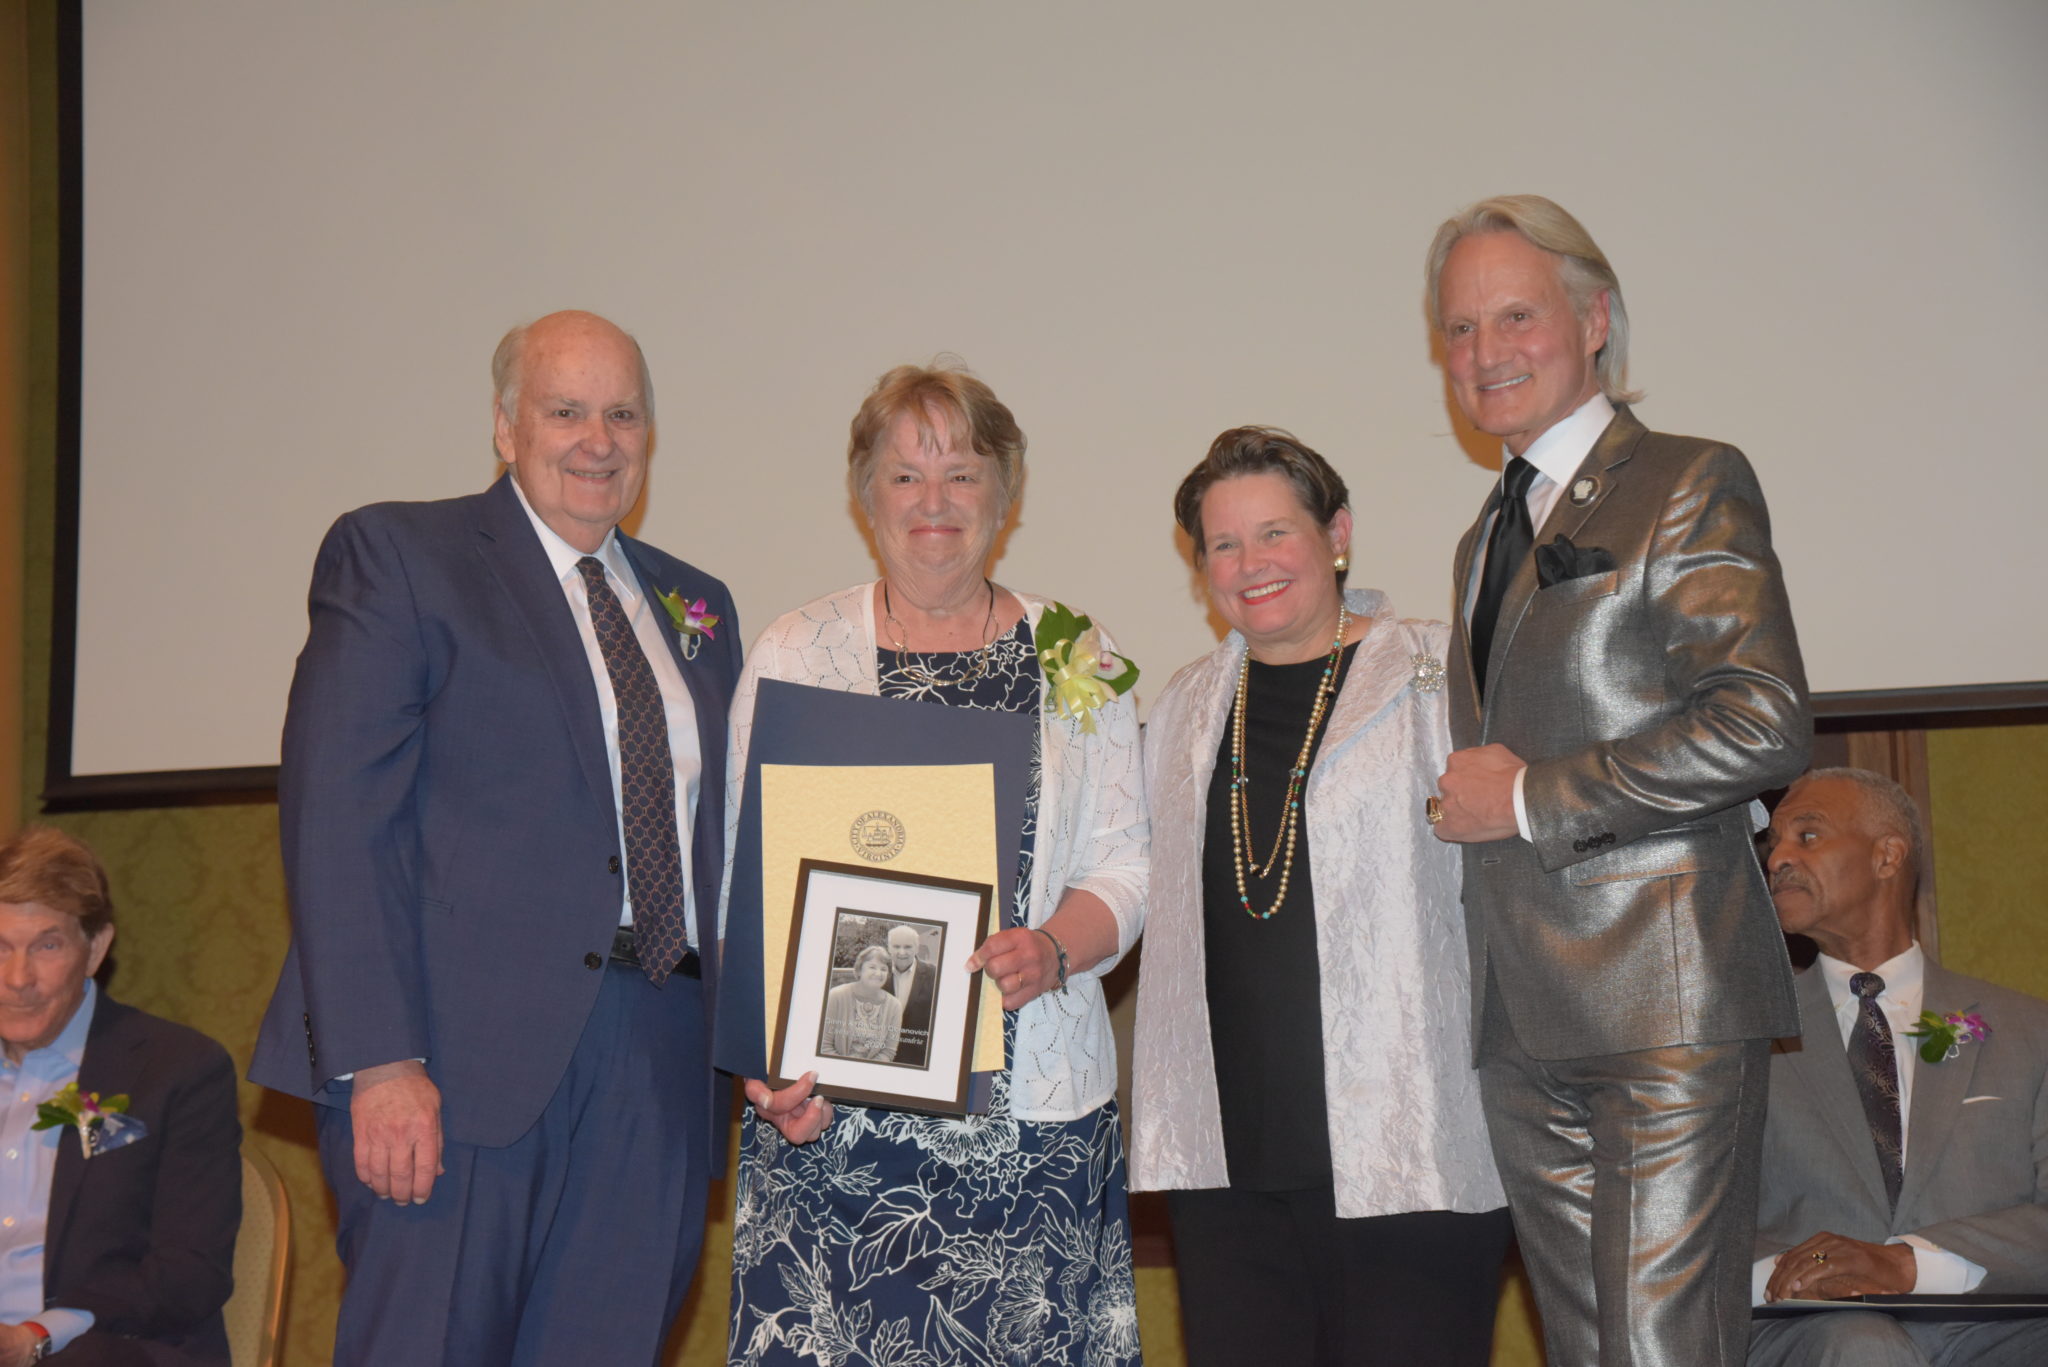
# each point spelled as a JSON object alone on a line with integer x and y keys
{"x": 1060, "y": 950}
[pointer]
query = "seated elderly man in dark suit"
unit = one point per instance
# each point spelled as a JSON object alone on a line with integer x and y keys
{"x": 120, "y": 1168}
{"x": 1884, "y": 1171}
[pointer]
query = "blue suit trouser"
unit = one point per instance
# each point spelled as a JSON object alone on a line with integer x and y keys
{"x": 575, "y": 1243}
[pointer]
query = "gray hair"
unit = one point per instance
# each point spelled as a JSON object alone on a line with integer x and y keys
{"x": 1889, "y": 808}
{"x": 507, "y": 366}
{"x": 1581, "y": 267}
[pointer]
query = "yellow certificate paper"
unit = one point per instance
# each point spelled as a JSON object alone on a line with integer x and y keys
{"x": 936, "y": 820}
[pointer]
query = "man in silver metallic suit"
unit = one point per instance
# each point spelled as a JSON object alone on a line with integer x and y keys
{"x": 1625, "y": 680}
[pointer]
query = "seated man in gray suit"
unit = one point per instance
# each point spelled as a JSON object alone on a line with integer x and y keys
{"x": 1883, "y": 1172}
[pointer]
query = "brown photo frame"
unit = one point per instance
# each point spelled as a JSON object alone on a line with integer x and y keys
{"x": 862, "y": 1044}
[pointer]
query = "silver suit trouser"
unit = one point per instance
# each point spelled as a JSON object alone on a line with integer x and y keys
{"x": 1633, "y": 1182}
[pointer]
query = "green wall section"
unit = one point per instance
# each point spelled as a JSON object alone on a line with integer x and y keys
{"x": 1990, "y": 802}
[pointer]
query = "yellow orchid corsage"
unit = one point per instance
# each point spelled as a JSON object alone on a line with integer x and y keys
{"x": 1080, "y": 674}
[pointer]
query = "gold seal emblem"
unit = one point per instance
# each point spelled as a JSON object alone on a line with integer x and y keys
{"x": 876, "y": 836}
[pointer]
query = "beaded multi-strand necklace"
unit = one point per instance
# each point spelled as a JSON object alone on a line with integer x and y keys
{"x": 1242, "y": 853}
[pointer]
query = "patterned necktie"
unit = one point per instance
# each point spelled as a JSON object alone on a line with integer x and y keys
{"x": 1877, "y": 1079}
{"x": 647, "y": 784}
{"x": 1507, "y": 546}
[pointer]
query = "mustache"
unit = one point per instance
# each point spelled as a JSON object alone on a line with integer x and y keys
{"x": 1785, "y": 879}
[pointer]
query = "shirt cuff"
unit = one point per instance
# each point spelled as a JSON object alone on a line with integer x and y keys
{"x": 351, "y": 1077}
{"x": 63, "y": 1325}
{"x": 1938, "y": 1272}
{"x": 1760, "y": 1277}
{"x": 1521, "y": 808}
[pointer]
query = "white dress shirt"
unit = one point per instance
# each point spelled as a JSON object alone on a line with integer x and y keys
{"x": 649, "y": 624}
{"x": 1556, "y": 454}
{"x": 1937, "y": 1272}
{"x": 28, "y": 1167}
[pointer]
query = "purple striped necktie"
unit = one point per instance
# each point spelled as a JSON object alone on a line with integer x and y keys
{"x": 647, "y": 784}
{"x": 1876, "y": 1068}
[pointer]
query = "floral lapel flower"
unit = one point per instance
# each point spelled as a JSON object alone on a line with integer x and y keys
{"x": 1080, "y": 674}
{"x": 101, "y": 1124}
{"x": 1945, "y": 1036}
{"x": 690, "y": 620}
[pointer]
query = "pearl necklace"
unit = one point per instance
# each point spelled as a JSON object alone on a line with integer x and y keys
{"x": 930, "y": 678}
{"x": 1242, "y": 854}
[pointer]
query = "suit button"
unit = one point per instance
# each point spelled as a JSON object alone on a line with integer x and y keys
{"x": 611, "y": 865}
{"x": 593, "y": 960}
{"x": 1578, "y": 847}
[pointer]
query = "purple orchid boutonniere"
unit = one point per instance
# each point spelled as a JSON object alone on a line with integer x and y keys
{"x": 690, "y": 620}
{"x": 102, "y": 1124}
{"x": 1945, "y": 1036}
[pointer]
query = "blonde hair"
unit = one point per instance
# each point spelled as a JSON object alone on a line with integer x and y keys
{"x": 971, "y": 410}
{"x": 1582, "y": 268}
{"x": 45, "y": 866}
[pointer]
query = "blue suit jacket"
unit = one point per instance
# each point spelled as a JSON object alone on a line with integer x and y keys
{"x": 450, "y": 840}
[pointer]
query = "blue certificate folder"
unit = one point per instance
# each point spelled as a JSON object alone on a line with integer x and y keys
{"x": 800, "y": 725}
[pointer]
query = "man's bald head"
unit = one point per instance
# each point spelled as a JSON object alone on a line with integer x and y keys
{"x": 903, "y": 948}
{"x": 508, "y": 360}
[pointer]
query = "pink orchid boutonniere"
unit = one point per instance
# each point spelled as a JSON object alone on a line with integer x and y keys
{"x": 101, "y": 1124}
{"x": 690, "y": 620}
{"x": 1945, "y": 1036}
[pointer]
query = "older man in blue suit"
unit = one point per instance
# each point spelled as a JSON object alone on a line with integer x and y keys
{"x": 500, "y": 728}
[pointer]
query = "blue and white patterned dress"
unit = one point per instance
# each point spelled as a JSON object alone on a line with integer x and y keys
{"x": 906, "y": 1240}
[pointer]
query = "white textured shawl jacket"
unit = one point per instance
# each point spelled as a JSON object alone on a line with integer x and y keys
{"x": 1406, "y": 1132}
{"x": 1092, "y": 835}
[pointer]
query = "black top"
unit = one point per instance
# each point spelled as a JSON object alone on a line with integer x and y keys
{"x": 1264, "y": 983}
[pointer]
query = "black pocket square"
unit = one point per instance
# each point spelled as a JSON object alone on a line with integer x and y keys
{"x": 1561, "y": 560}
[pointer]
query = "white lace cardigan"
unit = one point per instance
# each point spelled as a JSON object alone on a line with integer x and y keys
{"x": 1406, "y": 1132}
{"x": 1092, "y": 835}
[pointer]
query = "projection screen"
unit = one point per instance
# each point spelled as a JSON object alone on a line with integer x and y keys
{"x": 301, "y": 229}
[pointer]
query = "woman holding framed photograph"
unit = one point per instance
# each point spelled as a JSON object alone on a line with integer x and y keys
{"x": 1002, "y": 1236}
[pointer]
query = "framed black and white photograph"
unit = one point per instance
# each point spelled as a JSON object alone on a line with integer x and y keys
{"x": 874, "y": 998}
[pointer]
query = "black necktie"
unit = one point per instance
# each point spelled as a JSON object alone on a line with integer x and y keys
{"x": 1877, "y": 1079}
{"x": 647, "y": 784}
{"x": 1507, "y": 546}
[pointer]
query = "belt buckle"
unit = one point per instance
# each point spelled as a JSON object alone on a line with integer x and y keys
{"x": 626, "y": 950}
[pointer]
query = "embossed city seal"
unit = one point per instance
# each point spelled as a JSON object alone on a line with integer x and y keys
{"x": 877, "y": 836}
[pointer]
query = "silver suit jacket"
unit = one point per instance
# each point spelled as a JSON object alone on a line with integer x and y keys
{"x": 1976, "y": 1179}
{"x": 1651, "y": 700}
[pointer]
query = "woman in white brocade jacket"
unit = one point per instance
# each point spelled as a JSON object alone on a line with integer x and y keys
{"x": 1302, "y": 1082}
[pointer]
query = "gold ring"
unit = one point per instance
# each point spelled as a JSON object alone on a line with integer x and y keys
{"x": 1433, "y": 809}
{"x": 1819, "y": 1257}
